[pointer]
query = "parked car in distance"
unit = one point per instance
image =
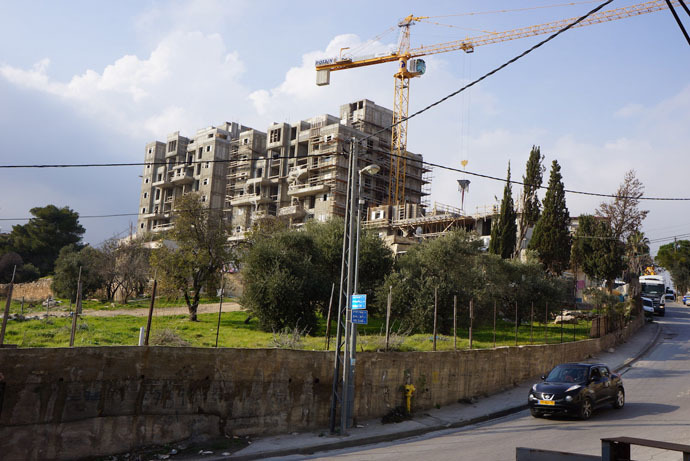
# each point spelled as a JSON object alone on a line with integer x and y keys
{"x": 686, "y": 299}
{"x": 648, "y": 307}
{"x": 576, "y": 389}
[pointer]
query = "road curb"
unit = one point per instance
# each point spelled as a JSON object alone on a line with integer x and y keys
{"x": 644, "y": 351}
{"x": 377, "y": 438}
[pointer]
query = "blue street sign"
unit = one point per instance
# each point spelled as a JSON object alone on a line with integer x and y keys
{"x": 358, "y": 302}
{"x": 360, "y": 317}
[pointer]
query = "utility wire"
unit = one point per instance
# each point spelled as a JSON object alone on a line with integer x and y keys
{"x": 675, "y": 15}
{"x": 330, "y": 154}
{"x": 419, "y": 112}
{"x": 491, "y": 72}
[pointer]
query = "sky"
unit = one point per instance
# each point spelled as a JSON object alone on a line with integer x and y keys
{"x": 93, "y": 82}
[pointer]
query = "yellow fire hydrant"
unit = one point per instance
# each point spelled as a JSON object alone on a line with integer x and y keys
{"x": 409, "y": 391}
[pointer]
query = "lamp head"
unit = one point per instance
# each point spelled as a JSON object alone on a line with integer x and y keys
{"x": 370, "y": 169}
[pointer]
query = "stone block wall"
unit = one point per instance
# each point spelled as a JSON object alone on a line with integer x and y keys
{"x": 40, "y": 290}
{"x": 94, "y": 401}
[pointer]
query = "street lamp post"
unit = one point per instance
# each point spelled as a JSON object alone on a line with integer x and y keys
{"x": 346, "y": 335}
{"x": 370, "y": 170}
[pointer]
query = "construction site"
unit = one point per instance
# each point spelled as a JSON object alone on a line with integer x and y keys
{"x": 298, "y": 172}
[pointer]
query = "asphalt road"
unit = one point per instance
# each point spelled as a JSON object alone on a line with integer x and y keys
{"x": 657, "y": 407}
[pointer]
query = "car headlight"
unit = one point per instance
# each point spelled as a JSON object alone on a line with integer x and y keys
{"x": 534, "y": 388}
{"x": 572, "y": 388}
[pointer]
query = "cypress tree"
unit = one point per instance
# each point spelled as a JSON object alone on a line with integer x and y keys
{"x": 504, "y": 231}
{"x": 551, "y": 237}
{"x": 531, "y": 207}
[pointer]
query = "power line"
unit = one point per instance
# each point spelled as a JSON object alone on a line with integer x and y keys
{"x": 419, "y": 112}
{"x": 491, "y": 72}
{"x": 422, "y": 162}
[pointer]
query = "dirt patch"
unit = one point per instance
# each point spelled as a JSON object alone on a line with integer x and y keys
{"x": 179, "y": 310}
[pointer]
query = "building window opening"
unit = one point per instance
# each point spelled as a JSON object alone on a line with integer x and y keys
{"x": 275, "y": 136}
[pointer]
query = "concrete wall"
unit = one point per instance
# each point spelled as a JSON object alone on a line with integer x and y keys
{"x": 84, "y": 402}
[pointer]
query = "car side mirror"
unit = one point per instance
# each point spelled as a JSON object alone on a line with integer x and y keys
{"x": 543, "y": 377}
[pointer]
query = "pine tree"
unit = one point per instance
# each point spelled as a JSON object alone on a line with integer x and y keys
{"x": 529, "y": 201}
{"x": 504, "y": 231}
{"x": 551, "y": 237}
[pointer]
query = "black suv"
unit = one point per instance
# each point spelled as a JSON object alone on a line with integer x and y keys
{"x": 576, "y": 389}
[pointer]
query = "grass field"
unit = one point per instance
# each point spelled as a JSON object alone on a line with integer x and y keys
{"x": 234, "y": 332}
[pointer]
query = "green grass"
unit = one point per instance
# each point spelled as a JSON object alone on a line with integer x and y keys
{"x": 234, "y": 332}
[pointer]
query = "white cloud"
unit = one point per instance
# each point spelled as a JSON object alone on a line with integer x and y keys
{"x": 188, "y": 78}
{"x": 630, "y": 110}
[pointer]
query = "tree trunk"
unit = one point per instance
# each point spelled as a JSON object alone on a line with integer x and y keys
{"x": 192, "y": 305}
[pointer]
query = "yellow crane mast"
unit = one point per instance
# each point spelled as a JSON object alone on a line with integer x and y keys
{"x": 410, "y": 66}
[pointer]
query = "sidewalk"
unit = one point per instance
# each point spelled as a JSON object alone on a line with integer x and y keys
{"x": 451, "y": 416}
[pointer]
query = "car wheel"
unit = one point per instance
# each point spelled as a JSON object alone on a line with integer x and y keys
{"x": 586, "y": 409}
{"x": 536, "y": 413}
{"x": 620, "y": 399}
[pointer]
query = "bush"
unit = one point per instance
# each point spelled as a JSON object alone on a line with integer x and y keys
{"x": 167, "y": 337}
{"x": 283, "y": 283}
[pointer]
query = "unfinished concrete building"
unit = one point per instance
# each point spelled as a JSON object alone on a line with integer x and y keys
{"x": 302, "y": 173}
{"x": 183, "y": 165}
{"x": 294, "y": 172}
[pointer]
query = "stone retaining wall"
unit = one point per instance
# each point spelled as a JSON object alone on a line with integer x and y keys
{"x": 40, "y": 290}
{"x": 94, "y": 401}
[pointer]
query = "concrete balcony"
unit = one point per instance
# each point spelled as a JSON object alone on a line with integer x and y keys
{"x": 163, "y": 183}
{"x": 292, "y": 212}
{"x": 162, "y": 227}
{"x": 157, "y": 214}
{"x": 250, "y": 199}
{"x": 304, "y": 190}
{"x": 261, "y": 181}
{"x": 180, "y": 177}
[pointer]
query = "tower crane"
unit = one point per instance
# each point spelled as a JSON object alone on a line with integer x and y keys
{"x": 410, "y": 65}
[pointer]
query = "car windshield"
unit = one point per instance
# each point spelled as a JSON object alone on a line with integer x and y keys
{"x": 568, "y": 374}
